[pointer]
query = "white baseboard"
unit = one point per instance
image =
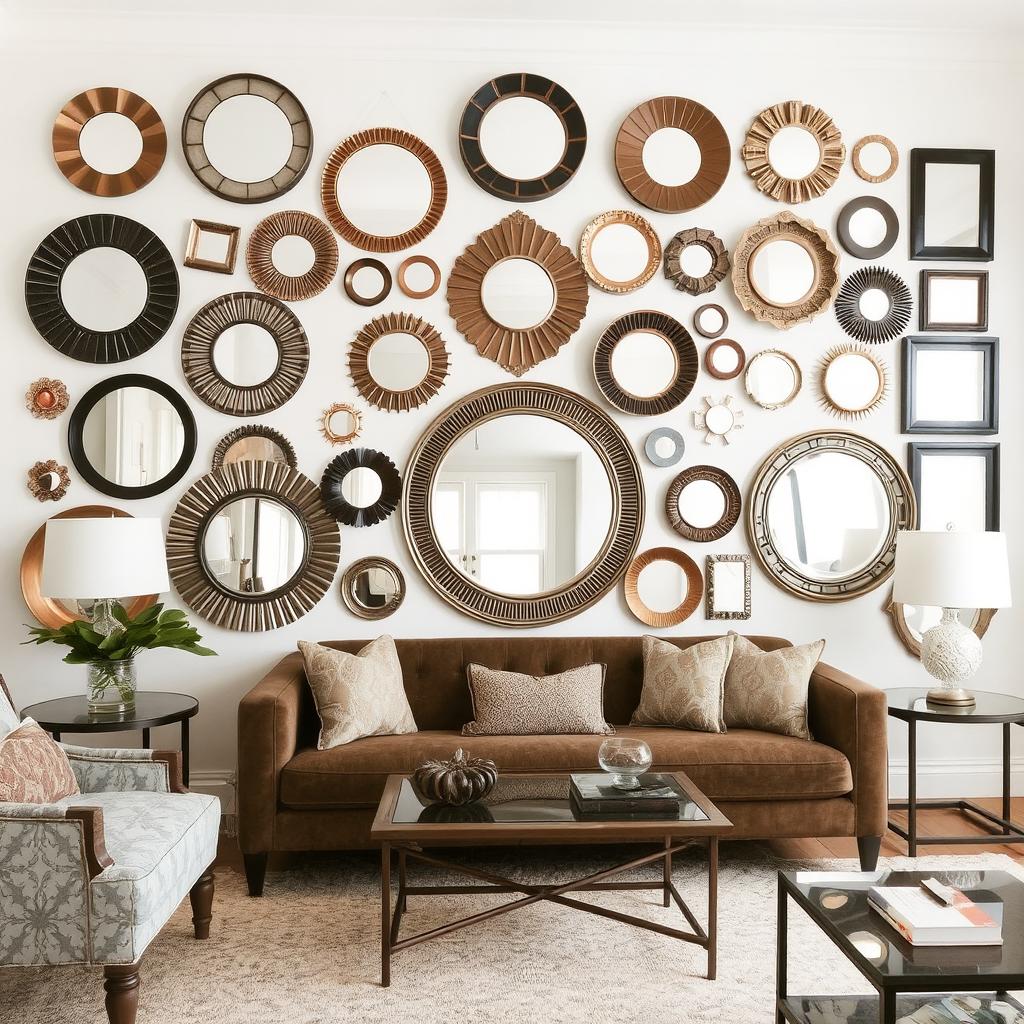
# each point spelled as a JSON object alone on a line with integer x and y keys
{"x": 962, "y": 777}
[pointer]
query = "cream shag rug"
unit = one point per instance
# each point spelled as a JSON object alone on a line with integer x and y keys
{"x": 309, "y": 952}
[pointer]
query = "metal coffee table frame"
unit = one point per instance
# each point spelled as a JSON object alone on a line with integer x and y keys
{"x": 409, "y": 840}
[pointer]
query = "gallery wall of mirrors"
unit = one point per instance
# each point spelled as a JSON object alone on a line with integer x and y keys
{"x": 737, "y": 370}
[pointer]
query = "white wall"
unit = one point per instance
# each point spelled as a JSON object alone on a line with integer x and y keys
{"x": 956, "y": 86}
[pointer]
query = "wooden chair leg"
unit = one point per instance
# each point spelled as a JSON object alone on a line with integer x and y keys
{"x": 201, "y": 897}
{"x": 255, "y": 871}
{"x": 121, "y": 983}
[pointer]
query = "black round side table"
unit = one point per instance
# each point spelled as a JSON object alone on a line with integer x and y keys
{"x": 71, "y": 714}
{"x": 909, "y": 704}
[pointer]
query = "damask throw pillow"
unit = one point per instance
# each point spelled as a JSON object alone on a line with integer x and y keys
{"x": 767, "y": 690}
{"x": 357, "y": 695}
{"x": 517, "y": 704}
{"x": 684, "y": 687}
{"x": 33, "y": 768}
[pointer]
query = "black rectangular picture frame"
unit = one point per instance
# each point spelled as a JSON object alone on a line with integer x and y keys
{"x": 917, "y": 451}
{"x": 983, "y": 252}
{"x": 989, "y": 423}
{"x": 926, "y": 323}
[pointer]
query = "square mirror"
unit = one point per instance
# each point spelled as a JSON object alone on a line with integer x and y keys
{"x": 727, "y": 587}
{"x": 952, "y": 204}
{"x": 950, "y": 386}
{"x": 212, "y": 247}
{"x": 957, "y": 485}
{"x": 954, "y": 300}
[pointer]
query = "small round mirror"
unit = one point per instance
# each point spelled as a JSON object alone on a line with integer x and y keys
{"x": 293, "y": 256}
{"x": 868, "y": 227}
{"x": 245, "y": 355}
{"x": 662, "y": 587}
{"x": 671, "y": 156}
{"x": 247, "y": 138}
{"x": 522, "y": 138}
{"x": 794, "y": 153}
{"x": 384, "y": 190}
{"x": 875, "y": 159}
{"x": 343, "y": 422}
{"x": 373, "y": 588}
{"x": 644, "y": 364}
{"x": 419, "y": 277}
{"x": 710, "y": 320}
{"x": 773, "y": 379}
{"x": 518, "y": 294}
{"x": 104, "y": 289}
{"x": 701, "y": 503}
{"x": 874, "y": 304}
{"x": 782, "y": 272}
{"x": 398, "y": 362}
{"x": 361, "y": 487}
{"x": 110, "y": 143}
{"x": 853, "y": 382}
{"x": 664, "y": 446}
{"x": 724, "y": 359}
{"x": 620, "y": 253}
{"x": 696, "y": 261}
{"x": 253, "y": 545}
{"x": 720, "y": 419}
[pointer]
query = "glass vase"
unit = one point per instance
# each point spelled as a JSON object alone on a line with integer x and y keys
{"x": 625, "y": 759}
{"x": 111, "y": 686}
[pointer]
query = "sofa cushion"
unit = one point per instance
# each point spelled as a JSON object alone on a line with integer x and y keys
{"x": 742, "y": 764}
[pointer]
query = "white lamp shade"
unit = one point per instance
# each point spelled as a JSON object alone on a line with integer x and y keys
{"x": 951, "y": 569}
{"x": 103, "y": 558}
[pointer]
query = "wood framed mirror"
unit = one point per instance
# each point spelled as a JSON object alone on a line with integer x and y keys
{"x": 645, "y": 363}
{"x": 292, "y": 255}
{"x": 874, "y": 305}
{"x": 620, "y": 251}
{"x": 911, "y": 622}
{"x": 950, "y": 386}
{"x": 696, "y": 260}
{"x": 952, "y": 204}
{"x": 244, "y": 353}
{"x": 383, "y": 190}
{"x": 247, "y": 138}
{"x": 852, "y": 381}
{"x": 101, "y": 288}
{"x": 373, "y": 587}
{"x": 710, "y": 320}
{"x": 703, "y": 503}
{"x": 875, "y": 158}
{"x": 823, "y": 514}
{"x": 361, "y": 487}
{"x": 785, "y": 270}
{"x": 663, "y": 587}
{"x": 251, "y": 547}
{"x": 517, "y": 293}
{"x": 727, "y": 587}
{"x": 867, "y": 227}
{"x": 724, "y": 359}
{"x": 541, "y": 463}
{"x": 253, "y": 443}
{"x": 953, "y": 300}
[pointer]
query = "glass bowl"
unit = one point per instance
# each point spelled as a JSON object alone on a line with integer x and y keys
{"x": 625, "y": 759}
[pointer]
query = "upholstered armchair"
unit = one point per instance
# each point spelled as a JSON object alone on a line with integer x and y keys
{"x": 93, "y": 878}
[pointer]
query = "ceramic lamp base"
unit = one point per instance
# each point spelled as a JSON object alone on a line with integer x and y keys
{"x": 955, "y": 697}
{"x": 952, "y": 654}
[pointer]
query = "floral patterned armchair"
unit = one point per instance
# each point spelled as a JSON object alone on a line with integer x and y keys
{"x": 93, "y": 878}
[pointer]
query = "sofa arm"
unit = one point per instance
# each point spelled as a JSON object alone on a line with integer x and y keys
{"x": 851, "y": 716}
{"x": 125, "y": 770}
{"x": 53, "y": 835}
{"x": 268, "y": 730}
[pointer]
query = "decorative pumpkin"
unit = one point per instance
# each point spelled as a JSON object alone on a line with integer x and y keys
{"x": 460, "y": 780}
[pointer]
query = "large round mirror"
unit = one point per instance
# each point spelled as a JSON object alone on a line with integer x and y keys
{"x": 663, "y": 586}
{"x": 245, "y": 355}
{"x": 373, "y": 588}
{"x": 824, "y": 511}
{"x": 104, "y": 289}
{"x": 254, "y": 545}
{"x": 782, "y": 271}
{"x": 247, "y": 138}
{"x": 522, "y": 504}
{"x": 518, "y": 294}
{"x": 522, "y": 137}
{"x": 772, "y": 379}
{"x": 132, "y": 436}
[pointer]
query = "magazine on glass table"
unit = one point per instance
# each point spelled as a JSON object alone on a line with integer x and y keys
{"x": 924, "y": 920}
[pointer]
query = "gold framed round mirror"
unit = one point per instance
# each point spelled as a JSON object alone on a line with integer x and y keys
{"x": 852, "y": 380}
{"x": 620, "y": 251}
{"x": 703, "y": 503}
{"x": 373, "y": 587}
{"x": 292, "y": 255}
{"x": 663, "y": 587}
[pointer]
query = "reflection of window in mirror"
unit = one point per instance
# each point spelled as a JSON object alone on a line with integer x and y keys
{"x": 952, "y": 204}
{"x": 361, "y": 487}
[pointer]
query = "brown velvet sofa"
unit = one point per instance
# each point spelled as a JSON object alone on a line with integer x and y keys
{"x": 293, "y": 797}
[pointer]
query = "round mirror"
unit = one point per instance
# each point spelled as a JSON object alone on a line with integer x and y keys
{"x": 247, "y": 138}
{"x": 373, "y": 588}
{"x": 794, "y": 153}
{"x": 104, "y": 289}
{"x": 419, "y": 277}
{"x": 710, "y": 320}
{"x": 664, "y": 446}
{"x": 362, "y": 487}
{"x": 522, "y": 137}
{"x": 540, "y": 500}
{"x": 874, "y": 304}
{"x": 644, "y": 364}
{"x": 620, "y": 251}
{"x": 782, "y": 272}
{"x": 367, "y": 281}
{"x": 132, "y": 436}
{"x": 867, "y": 227}
{"x": 253, "y": 545}
{"x": 853, "y": 381}
{"x": 875, "y": 158}
{"x": 253, "y": 444}
{"x": 719, "y": 419}
{"x": 341, "y": 423}
{"x": 518, "y": 293}
{"x": 703, "y": 503}
{"x": 773, "y": 379}
{"x": 398, "y": 362}
{"x": 384, "y": 190}
{"x": 293, "y": 255}
{"x": 245, "y": 355}
{"x": 663, "y": 586}
{"x": 671, "y": 157}
{"x": 724, "y": 359}
{"x": 696, "y": 261}
{"x": 110, "y": 143}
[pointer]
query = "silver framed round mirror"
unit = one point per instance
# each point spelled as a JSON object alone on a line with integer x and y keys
{"x": 664, "y": 447}
{"x": 823, "y": 514}
{"x": 373, "y": 587}
{"x": 772, "y": 378}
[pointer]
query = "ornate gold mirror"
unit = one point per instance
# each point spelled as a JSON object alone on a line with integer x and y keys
{"x": 620, "y": 251}
{"x": 823, "y": 514}
{"x": 373, "y": 588}
{"x": 853, "y": 381}
{"x": 46, "y": 398}
{"x": 663, "y": 587}
{"x": 727, "y": 587}
{"x": 523, "y": 504}
{"x": 341, "y": 423}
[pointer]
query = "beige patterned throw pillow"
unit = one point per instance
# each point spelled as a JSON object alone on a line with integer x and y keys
{"x": 768, "y": 689}
{"x": 357, "y": 695}
{"x": 684, "y": 687}
{"x": 517, "y": 704}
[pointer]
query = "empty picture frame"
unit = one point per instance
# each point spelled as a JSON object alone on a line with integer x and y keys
{"x": 212, "y": 246}
{"x": 950, "y": 386}
{"x": 954, "y": 300}
{"x": 727, "y": 587}
{"x": 956, "y": 484}
{"x": 952, "y": 204}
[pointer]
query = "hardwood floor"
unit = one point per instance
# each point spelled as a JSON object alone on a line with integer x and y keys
{"x": 949, "y": 823}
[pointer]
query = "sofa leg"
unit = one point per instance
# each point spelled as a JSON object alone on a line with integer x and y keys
{"x": 201, "y": 898}
{"x": 868, "y": 847}
{"x": 255, "y": 872}
{"x": 121, "y": 983}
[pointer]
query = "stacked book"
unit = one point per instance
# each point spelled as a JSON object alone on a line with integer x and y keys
{"x": 950, "y": 918}
{"x": 593, "y": 797}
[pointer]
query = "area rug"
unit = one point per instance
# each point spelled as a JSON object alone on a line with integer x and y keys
{"x": 308, "y": 952}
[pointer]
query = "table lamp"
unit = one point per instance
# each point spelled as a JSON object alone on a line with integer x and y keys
{"x": 101, "y": 560}
{"x": 951, "y": 570}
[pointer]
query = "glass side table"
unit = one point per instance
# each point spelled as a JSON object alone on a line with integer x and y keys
{"x": 909, "y": 705}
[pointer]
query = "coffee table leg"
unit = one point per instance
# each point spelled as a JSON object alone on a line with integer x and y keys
{"x": 781, "y": 952}
{"x": 712, "y": 907}
{"x": 385, "y": 914}
{"x": 887, "y": 1007}
{"x": 667, "y": 873}
{"x": 912, "y": 788}
{"x": 402, "y": 903}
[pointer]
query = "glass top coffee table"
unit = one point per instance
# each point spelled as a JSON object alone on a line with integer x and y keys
{"x": 905, "y": 976}
{"x": 525, "y": 810}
